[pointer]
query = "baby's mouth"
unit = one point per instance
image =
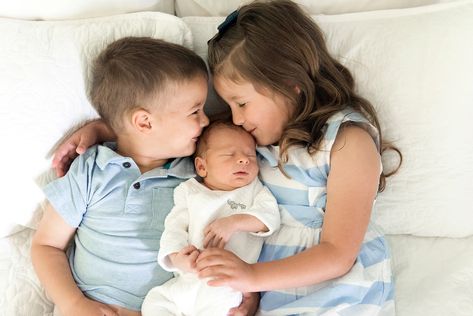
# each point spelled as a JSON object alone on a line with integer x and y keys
{"x": 240, "y": 173}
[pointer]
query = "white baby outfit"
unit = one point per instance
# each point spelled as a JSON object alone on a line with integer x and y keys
{"x": 196, "y": 206}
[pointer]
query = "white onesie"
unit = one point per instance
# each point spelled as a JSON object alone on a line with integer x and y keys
{"x": 195, "y": 207}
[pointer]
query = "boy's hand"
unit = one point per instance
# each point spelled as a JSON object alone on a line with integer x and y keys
{"x": 88, "y": 307}
{"x": 185, "y": 260}
{"x": 85, "y": 137}
{"x": 248, "y": 306}
{"x": 218, "y": 233}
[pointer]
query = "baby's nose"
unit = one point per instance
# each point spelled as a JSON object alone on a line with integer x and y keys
{"x": 243, "y": 160}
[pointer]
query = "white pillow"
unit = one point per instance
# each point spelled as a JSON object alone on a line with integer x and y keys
{"x": 78, "y": 9}
{"x": 43, "y": 81}
{"x": 223, "y": 8}
{"x": 416, "y": 67}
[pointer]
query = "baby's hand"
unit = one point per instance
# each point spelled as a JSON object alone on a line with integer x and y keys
{"x": 185, "y": 260}
{"x": 88, "y": 307}
{"x": 218, "y": 233}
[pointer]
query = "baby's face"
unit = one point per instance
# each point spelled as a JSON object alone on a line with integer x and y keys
{"x": 229, "y": 161}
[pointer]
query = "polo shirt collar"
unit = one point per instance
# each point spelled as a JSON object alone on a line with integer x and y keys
{"x": 179, "y": 167}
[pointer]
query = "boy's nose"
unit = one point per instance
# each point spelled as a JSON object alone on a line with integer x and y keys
{"x": 204, "y": 120}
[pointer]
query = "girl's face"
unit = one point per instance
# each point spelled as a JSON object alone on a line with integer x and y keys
{"x": 264, "y": 117}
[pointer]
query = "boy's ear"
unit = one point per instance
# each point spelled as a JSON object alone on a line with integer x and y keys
{"x": 141, "y": 120}
{"x": 200, "y": 166}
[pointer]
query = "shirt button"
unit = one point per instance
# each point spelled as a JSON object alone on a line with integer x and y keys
{"x": 136, "y": 185}
{"x": 127, "y": 164}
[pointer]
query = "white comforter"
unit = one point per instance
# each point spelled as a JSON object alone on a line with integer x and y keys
{"x": 434, "y": 276}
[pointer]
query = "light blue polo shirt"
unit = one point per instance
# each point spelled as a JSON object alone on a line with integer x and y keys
{"x": 120, "y": 216}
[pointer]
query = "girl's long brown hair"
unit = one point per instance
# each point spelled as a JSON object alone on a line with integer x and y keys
{"x": 277, "y": 47}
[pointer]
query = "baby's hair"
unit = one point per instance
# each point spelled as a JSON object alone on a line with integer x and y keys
{"x": 279, "y": 49}
{"x": 132, "y": 71}
{"x": 202, "y": 144}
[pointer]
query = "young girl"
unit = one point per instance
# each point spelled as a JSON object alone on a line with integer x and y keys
{"x": 319, "y": 153}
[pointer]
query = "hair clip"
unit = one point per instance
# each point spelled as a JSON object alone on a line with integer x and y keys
{"x": 223, "y": 27}
{"x": 229, "y": 21}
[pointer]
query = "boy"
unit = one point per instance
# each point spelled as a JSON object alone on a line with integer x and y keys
{"x": 230, "y": 208}
{"x": 115, "y": 197}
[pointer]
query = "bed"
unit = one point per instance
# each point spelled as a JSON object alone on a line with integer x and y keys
{"x": 411, "y": 59}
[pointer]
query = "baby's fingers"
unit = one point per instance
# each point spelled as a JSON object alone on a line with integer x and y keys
{"x": 187, "y": 250}
{"x": 208, "y": 239}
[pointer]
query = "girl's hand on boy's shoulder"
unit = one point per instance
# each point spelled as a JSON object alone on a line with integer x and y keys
{"x": 85, "y": 137}
{"x": 224, "y": 268}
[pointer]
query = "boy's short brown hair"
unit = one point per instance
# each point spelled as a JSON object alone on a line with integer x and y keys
{"x": 132, "y": 70}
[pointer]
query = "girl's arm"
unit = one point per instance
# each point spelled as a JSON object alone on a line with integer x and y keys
{"x": 88, "y": 135}
{"x": 351, "y": 189}
{"x": 52, "y": 267}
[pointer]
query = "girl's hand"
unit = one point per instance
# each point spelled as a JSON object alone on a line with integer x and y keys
{"x": 88, "y": 307}
{"x": 218, "y": 233}
{"x": 248, "y": 306}
{"x": 88, "y": 135}
{"x": 225, "y": 268}
{"x": 185, "y": 260}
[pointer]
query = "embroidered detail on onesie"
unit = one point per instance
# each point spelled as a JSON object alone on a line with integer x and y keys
{"x": 234, "y": 205}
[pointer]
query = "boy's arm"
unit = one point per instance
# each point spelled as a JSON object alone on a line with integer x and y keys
{"x": 50, "y": 261}
{"x": 52, "y": 267}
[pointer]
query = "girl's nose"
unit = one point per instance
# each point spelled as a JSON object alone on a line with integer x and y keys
{"x": 237, "y": 117}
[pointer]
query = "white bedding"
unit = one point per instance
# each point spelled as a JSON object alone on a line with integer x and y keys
{"x": 424, "y": 93}
{"x": 416, "y": 260}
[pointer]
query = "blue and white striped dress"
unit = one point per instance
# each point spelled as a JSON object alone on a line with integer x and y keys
{"x": 367, "y": 289}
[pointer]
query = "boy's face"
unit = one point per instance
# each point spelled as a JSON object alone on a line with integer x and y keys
{"x": 229, "y": 161}
{"x": 179, "y": 118}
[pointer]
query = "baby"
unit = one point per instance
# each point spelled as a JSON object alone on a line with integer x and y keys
{"x": 229, "y": 208}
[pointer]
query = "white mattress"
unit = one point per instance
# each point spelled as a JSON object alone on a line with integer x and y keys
{"x": 434, "y": 276}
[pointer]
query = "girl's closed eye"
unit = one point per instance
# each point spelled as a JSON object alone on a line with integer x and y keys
{"x": 240, "y": 105}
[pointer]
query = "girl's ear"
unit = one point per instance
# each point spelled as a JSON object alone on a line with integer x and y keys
{"x": 141, "y": 120}
{"x": 297, "y": 89}
{"x": 200, "y": 166}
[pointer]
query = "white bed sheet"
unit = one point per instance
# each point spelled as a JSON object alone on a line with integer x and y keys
{"x": 434, "y": 276}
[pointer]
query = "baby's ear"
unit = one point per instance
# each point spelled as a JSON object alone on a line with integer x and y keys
{"x": 141, "y": 120}
{"x": 200, "y": 167}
